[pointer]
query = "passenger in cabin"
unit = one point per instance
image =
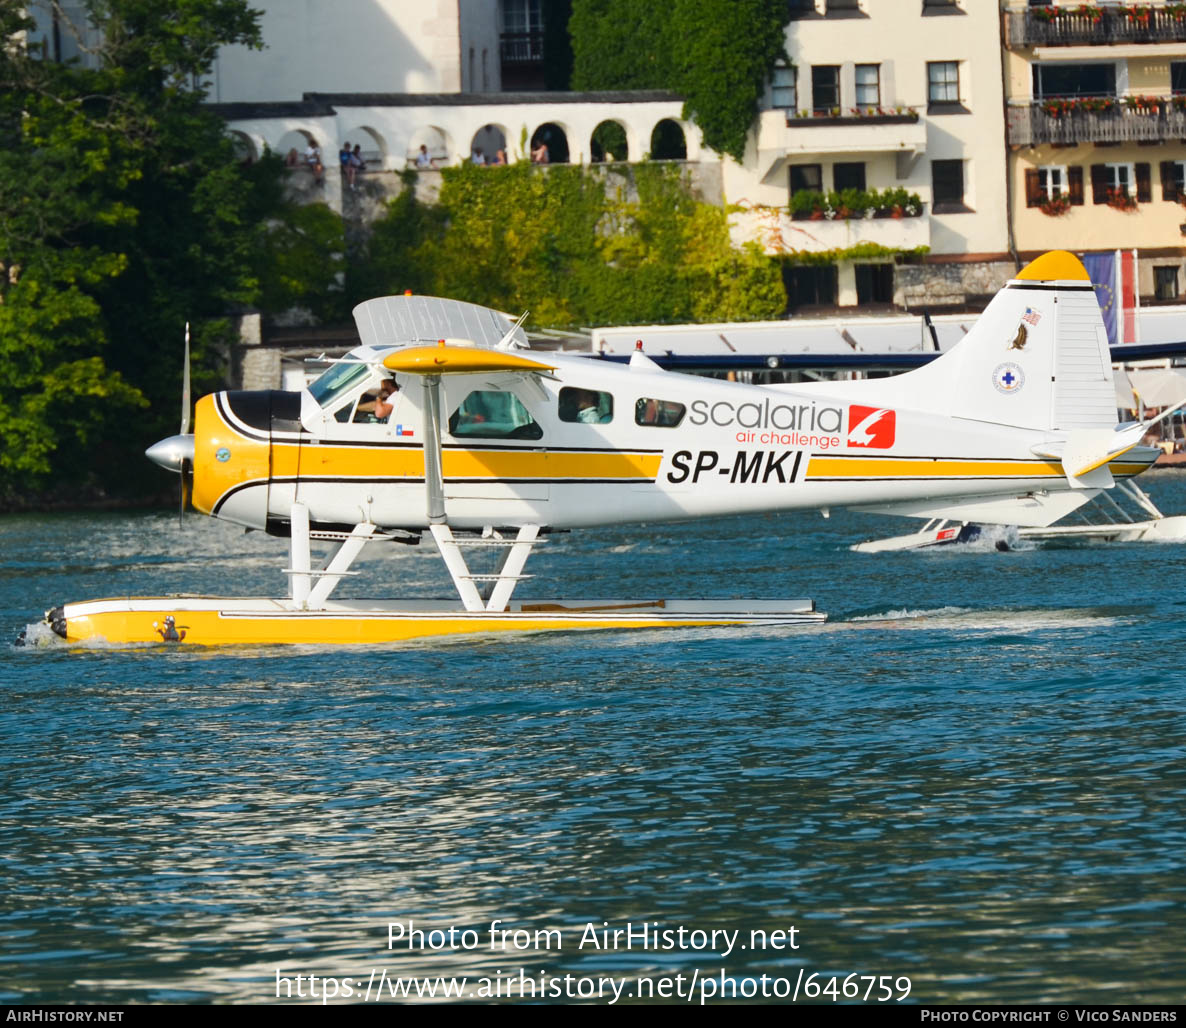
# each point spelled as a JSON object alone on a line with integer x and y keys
{"x": 588, "y": 407}
{"x": 585, "y": 406}
{"x": 388, "y": 395}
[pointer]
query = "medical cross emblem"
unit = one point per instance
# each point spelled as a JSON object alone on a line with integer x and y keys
{"x": 1008, "y": 378}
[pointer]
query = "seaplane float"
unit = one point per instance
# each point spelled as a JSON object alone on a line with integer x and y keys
{"x": 1125, "y": 514}
{"x": 444, "y": 424}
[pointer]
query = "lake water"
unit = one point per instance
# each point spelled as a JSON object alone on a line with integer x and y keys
{"x": 974, "y": 776}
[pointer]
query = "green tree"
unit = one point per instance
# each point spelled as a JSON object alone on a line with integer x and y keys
{"x": 391, "y": 261}
{"x": 575, "y": 246}
{"x": 623, "y": 44}
{"x": 123, "y": 213}
{"x": 719, "y": 54}
{"x": 726, "y": 60}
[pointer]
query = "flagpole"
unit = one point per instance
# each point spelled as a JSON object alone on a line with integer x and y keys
{"x": 1136, "y": 297}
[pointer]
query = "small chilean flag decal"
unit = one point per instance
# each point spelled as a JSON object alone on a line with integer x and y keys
{"x": 871, "y": 427}
{"x": 404, "y": 430}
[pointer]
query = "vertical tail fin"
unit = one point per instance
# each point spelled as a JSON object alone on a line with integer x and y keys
{"x": 1036, "y": 358}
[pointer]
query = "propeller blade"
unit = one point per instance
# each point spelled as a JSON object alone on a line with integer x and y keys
{"x": 187, "y": 487}
{"x": 185, "y": 400}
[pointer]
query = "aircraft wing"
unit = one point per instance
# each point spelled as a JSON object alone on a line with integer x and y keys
{"x": 391, "y": 320}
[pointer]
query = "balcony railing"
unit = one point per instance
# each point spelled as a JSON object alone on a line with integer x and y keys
{"x": 777, "y": 232}
{"x": 1090, "y": 24}
{"x": 852, "y": 116}
{"x": 1125, "y": 120}
{"x": 521, "y": 47}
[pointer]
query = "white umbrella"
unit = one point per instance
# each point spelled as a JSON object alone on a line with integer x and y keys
{"x": 1125, "y": 399}
{"x": 1159, "y": 387}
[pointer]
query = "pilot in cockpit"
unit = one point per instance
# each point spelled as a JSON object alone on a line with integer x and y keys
{"x": 378, "y": 406}
{"x": 388, "y": 395}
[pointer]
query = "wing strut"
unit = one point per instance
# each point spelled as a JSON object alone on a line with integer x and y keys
{"x": 434, "y": 486}
{"x": 310, "y": 587}
{"x": 430, "y": 362}
{"x": 495, "y": 593}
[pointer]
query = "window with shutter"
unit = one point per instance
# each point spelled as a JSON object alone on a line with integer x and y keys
{"x": 1099, "y": 183}
{"x": 1033, "y": 190}
{"x": 1075, "y": 185}
{"x": 1173, "y": 181}
{"x": 1169, "y": 185}
{"x": 1144, "y": 184}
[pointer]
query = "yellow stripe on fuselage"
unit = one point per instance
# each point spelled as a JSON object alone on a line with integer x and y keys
{"x": 919, "y": 467}
{"x": 332, "y": 460}
{"x": 862, "y": 468}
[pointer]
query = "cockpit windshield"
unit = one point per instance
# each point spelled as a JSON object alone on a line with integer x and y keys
{"x": 336, "y": 380}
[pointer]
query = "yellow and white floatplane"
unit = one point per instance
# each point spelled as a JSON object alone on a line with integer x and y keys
{"x": 489, "y": 447}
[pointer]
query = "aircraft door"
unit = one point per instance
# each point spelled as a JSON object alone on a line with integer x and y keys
{"x": 284, "y": 453}
{"x": 493, "y": 446}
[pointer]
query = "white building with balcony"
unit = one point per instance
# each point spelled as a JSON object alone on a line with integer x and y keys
{"x": 1096, "y": 106}
{"x": 875, "y": 166}
{"x": 883, "y": 96}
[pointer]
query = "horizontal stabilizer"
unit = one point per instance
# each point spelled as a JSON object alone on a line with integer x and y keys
{"x": 1087, "y": 450}
{"x": 1032, "y": 510}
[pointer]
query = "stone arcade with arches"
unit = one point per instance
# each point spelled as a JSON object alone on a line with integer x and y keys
{"x": 577, "y": 128}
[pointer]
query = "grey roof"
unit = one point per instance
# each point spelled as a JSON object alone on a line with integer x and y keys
{"x": 477, "y": 99}
{"x": 272, "y": 109}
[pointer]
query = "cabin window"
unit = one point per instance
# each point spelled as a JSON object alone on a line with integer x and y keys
{"x": 338, "y": 379}
{"x": 658, "y": 413}
{"x": 586, "y": 406}
{"x": 491, "y": 414}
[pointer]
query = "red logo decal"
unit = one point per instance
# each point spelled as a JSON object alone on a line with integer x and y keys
{"x": 872, "y": 427}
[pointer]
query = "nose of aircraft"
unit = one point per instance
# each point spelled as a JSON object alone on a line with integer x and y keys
{"x": 169, "y": 453}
